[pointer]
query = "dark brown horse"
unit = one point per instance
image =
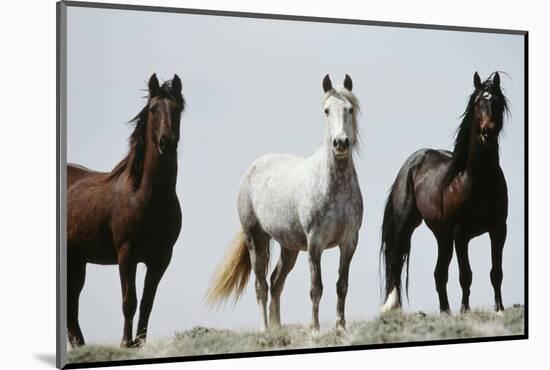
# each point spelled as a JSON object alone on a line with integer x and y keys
{"x": 459, "y": 195}
{"x": 129, "y": 215}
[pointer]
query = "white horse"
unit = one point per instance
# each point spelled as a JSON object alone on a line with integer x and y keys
{"x": 305, "y": 204}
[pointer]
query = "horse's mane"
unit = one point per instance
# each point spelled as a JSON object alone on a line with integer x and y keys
{"x": 345, "y": 94}
{"x": 463, "y": 132}
{"x": 137, "y": 140}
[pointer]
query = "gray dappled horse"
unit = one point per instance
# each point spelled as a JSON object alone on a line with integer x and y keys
{"x": 305, "y": 204}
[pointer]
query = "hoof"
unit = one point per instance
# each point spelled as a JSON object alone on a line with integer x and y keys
{"x": 314, "y": 329}
{"x": 138, "y": 342}
{"x": 76, "y": 343}
{"x": 446, "y": 312}
{"x": 392, "y": 303}
{"x": 385, "y": 309}
{"x": 340, "y": 325}
{"x": 465, "y": 309}
{"x": 275, "y": 325}
{"x": 125, "y": 343}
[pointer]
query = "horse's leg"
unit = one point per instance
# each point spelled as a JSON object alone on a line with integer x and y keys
{"x": 441, "y": 273}
{"x": 465, "y": 272}
{"x": 498, "y": 237}
{"x": 316, "y": 290}
{"x": 127, "y": 269}
{"x": 398, "y": 226}
{"x": 76, "y": 274}
{"x": 278, "y": 277}
{"x": 346, "y": 254}
{"x": 258, "y": 247}
{"x": 155, "y": 271}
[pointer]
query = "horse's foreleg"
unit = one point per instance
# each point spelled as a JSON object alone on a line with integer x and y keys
{"x": 346, "y": 254}
{"x": 441, "y": 273}
{"x": 278, "y": 277}
{"x": 76, "y": 273}
{"x": 152, "y": 280}
{"x": 498, "y": 237}
{"x": 316, "y": 290}
{"x": 465, "y": 272}
{"x": 127, "y": 270}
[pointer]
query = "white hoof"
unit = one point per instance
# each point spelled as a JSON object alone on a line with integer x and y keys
{"x": 392, "y": 303}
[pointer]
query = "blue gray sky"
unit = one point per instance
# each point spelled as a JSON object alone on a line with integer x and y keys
{"x": 254, "y": 87}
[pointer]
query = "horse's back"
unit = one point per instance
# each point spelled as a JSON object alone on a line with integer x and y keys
{"x": 267, "y": 195}
{"x": 274, "y": 162}
{"x": 271, "y": 172}
{"x": 76, "y": 172}
{"x": 88, "y": 208}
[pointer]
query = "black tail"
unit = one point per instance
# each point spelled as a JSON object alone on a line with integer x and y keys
{"x": 397, "y": 229}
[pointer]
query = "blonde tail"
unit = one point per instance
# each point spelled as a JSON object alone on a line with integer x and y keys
{"x": 233, "y": 273}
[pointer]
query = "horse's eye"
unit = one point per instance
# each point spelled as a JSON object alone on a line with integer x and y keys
{"x": 326, "y": 111}
{"x": 351, "y": 110}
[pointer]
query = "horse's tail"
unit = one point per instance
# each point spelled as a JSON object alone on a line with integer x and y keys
{"x": 233, "y": 273}
{"x": 401, "y": 217}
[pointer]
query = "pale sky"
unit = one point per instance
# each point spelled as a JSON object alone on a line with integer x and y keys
{"x": 253, "y": 86}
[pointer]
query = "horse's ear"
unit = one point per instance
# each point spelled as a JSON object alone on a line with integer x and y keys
{"x": 327, "y": 84}
{"x": 176, "y": 84}
{"x": 348, "y": 83}
{"x": 477, "y": 81}
{"x": 496, "y": 80}
{"x": 153, "y": 85}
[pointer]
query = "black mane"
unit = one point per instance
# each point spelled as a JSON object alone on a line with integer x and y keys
{"x": 137, "y": 140}
{"x": 463, "y": 132}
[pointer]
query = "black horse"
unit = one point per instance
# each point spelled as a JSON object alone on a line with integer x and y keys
{"x": 459, "y": 195}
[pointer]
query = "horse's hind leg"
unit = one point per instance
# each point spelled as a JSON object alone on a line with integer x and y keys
{"x": 76, "y": 273}
{"x": 258, "y": 247}
{"x": 441, "y": 273}
{"x": 401, "y": 218}
{"x": 346, "y": 254}
{"x": 498, "y": 237}
{"x": 278, "y": 277}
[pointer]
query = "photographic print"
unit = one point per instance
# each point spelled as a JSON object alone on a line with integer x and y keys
{"x": 235, "y": 184}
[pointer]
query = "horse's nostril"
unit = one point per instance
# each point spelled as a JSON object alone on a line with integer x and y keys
{"x": 346, "y": 143}
{"x": 335, "y": 143}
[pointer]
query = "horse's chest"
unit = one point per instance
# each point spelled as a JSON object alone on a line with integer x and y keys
{"x": 333, "y": 219}
{"x": 149, "y": 224}
{"x": 479, "y": 208}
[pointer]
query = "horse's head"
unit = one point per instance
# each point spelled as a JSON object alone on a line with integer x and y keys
{"x": 165, "y": 106}
{"x": 340, "y": 107}
{"x": 489, "y": 105}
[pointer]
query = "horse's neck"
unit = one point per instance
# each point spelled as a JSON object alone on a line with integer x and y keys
{"x": 158, "y": 176}
{"x": 333, "y": 171}
{"x": 481, "y": 161}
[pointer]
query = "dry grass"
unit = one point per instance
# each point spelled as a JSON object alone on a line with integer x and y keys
{"x": 390, "y": 328}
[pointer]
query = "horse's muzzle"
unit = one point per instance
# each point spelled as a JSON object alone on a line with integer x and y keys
{"x": 341, "y": 147}
{"x": 488, "y": 136}
{"x": 167, "y": 145}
